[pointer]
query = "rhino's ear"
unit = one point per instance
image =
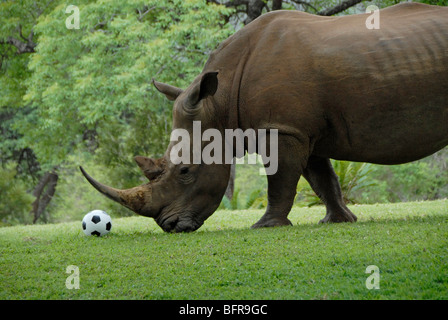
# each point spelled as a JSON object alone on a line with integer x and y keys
{"x": 207, "y": 86}
{"x": 171, "y": 92}
{"x": 151, "y": 168}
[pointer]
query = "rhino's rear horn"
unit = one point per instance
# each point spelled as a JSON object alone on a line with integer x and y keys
{"x": 151, "y": 168}
{"x": 171, "y": 92}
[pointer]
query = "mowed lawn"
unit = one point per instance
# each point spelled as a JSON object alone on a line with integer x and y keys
{"x": 225, "y": 259}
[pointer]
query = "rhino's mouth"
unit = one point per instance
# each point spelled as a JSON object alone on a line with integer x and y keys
{"x": 186, "y": 226}
{"x": 174, "y": 223}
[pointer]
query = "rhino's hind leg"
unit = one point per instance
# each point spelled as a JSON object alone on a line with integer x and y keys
{"x": 322, "y": 178}
{"x": 282, "y": 185}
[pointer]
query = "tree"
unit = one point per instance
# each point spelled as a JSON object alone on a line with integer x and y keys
{"x": 72, "y": 91}
{"x": 97, "y": 79}
{"x": 436, "y": 2}
{"x": 17, "y": 42}
{"x": 252, "y": 9}
{"x": 15, "y": 200}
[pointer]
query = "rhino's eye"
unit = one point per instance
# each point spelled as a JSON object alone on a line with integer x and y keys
{"x": 183, "y": 170}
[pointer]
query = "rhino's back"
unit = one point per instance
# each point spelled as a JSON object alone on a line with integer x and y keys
{"x": 413, "y": 38}
{"x": 352, "y": 89}
{"x": 385, "y": 91}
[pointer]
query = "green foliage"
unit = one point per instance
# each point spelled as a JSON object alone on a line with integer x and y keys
{"x": 98, "y": 78}
{"x": 233, "y": 204}
{"x": 425, "y": 179}
{"x": 89, "y": 90}
{"x": 411, "y": 179}
{"x": 435, "y": 2}
{"x": 16, "y": 20}
{"x": 256, "y": 199}
{"x": 15, "y": 202}
{"x": 227, "y": 260}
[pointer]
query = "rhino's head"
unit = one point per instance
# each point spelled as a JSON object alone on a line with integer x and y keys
{"x": 180, "y": 197}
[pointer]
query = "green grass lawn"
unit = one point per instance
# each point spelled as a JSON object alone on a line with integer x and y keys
{"x": 225, "y": 259}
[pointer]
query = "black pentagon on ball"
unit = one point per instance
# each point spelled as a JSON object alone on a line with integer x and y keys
{"x": 108, "y": 226}
{"x": 83, "y": 225}
{"x": 96, "y": 219}
{"x": 95, "y": 233}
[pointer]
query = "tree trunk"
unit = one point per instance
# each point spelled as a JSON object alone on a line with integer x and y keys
{"x": 277, "y": 4}
{"x": 339, "y": 8}
{"x": 254, "y": 9}
{"x": 44, "y": 192}
{"x": 231, "y": 185}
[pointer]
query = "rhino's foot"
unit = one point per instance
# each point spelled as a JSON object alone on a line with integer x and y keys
{"x": 337, "y": 216}
{"x": 273, "y": 222}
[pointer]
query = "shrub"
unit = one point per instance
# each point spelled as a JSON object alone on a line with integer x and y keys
{"x": 257, "y": 199}
{"x": 15, "y": 201}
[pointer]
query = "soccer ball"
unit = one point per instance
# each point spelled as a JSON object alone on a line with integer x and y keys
{"x": 96, "y": 223}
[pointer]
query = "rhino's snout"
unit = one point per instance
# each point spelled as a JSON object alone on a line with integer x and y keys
{"x": 174, "y": 224}
{"x": 186, "y": 227}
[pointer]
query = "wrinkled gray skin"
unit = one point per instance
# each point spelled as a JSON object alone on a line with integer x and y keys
{"x": 332, "y": 88}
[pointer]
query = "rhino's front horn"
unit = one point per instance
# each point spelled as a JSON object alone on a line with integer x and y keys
{"x": 133, "y": 198}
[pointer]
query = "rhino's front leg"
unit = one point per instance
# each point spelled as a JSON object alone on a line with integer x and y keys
{"x": 292, "y": 157}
